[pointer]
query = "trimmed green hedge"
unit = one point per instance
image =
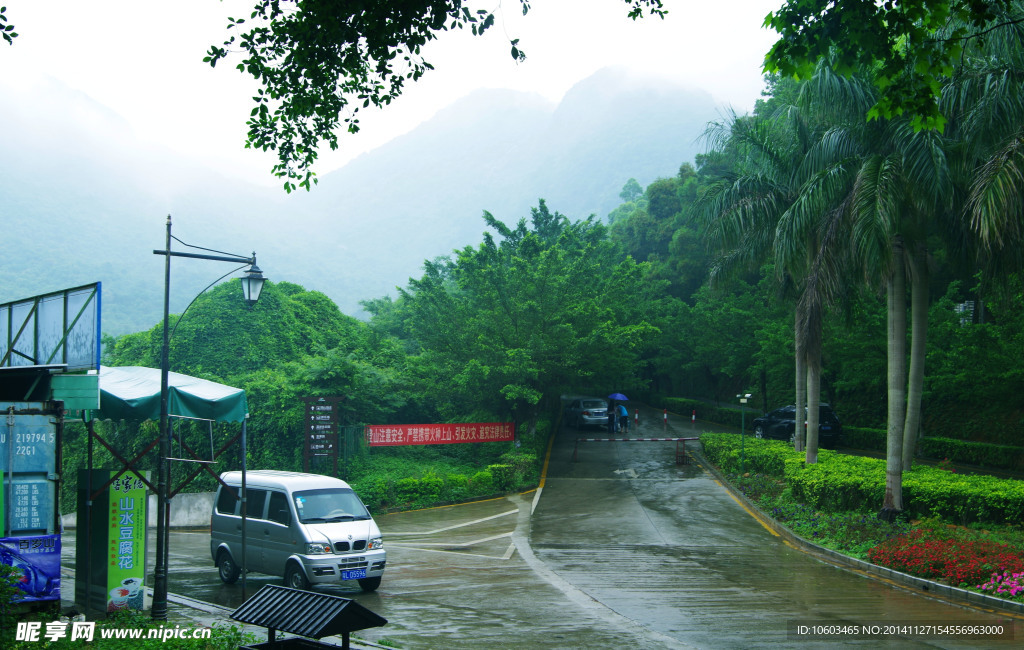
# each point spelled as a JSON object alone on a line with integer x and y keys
{"x": 385, "y": 492}
{"x": 983, "y": 454}
{"x": 866, "y": 439}
{"x": 972, "y": 453}
{"x": 840, "y": 482}
{"x": 958, "y": 451}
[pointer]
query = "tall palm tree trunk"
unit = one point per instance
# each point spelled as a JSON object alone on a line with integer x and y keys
{"x": 813, "y": 350}
{"x": 897, "y": 383}
{"x": 918, "y": 337}
{"x": 801, "y": 377}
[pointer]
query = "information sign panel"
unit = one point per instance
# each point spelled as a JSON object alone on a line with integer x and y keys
{"x": 321, "y": 432}
{"x": 28, "y": 448}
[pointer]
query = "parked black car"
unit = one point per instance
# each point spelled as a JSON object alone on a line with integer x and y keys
{"x": 780, "y": 424}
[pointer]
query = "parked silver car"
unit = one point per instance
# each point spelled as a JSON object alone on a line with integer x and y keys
{"x": 587, "y": 411}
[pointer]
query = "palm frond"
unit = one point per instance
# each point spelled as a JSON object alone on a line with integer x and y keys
{"x": 995, "y": 206}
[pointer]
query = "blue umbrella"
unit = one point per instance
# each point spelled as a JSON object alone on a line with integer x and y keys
{"x": 619, "y": 397}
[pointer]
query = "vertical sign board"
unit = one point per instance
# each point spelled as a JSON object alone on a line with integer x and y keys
{"x": 110, "y": 548}
{"x": 126, "y": 543}
{"x": 321, "y": 420}
{"x": 28, "y": 445}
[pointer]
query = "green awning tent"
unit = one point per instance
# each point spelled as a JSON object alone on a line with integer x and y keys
{"x": 132, "y": 393}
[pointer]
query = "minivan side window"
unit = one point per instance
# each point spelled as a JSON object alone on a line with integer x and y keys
{"x": 227, "y": 500}
{"x": 254, "y": 500}
{"x": 279, "y": 509}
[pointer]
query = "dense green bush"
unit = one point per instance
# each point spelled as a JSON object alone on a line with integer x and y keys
{"x": 482, "y": 482}
{"x": 762, "y": 456}
{"x": 958, "y": 451}
{"x": 837, "y": 482}
{"x": 456, "y": 488}
{"x": 840, "y": 482}
{"x": 972, "y": 453}
{"x": 866, "y": 439}
{"x": 504, "y": 477}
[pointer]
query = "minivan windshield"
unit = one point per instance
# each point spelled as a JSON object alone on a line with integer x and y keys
{"x": 329, "y": 505}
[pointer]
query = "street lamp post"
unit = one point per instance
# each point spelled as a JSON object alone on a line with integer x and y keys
{"x": 743, "y": 427}
{"x": 252, "y": 285}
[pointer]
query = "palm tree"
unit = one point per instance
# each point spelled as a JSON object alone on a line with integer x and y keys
{"x": 775, "y": 202}
{"x": 898, "y": 186}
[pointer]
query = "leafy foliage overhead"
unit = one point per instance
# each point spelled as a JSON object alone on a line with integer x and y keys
{"x": 912, "y": 45}
{"x": 321, "y": 61}
{"x": 6, "y": 28}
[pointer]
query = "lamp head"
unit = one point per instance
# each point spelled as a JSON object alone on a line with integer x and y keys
{"x": 252, "y": 283}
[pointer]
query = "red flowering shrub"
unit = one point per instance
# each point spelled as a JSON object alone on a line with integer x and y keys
{"x": 959, "y": 562}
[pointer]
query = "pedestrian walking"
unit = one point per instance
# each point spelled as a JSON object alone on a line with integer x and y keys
{"x": 612, "y": 417}
{"x": 623, "y": 417}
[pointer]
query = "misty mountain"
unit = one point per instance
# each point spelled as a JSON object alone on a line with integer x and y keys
{"x": 83, "y": 200}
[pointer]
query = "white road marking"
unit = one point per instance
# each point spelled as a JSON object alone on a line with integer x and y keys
{"x": 451, "y": 544}
{"x": 462, "y": 525}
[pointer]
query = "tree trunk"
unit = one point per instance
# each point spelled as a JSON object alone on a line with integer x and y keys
{"x": 918, "y": 337}
{"x": 812, "y": 348}
{"x": 897, "y": 383}
{"x": 801, "y": 379}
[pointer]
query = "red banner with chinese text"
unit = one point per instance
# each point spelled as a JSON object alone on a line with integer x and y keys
{"x": 383, "y": 435}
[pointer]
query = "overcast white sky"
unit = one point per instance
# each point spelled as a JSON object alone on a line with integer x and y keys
{"x": 143, "y": 60}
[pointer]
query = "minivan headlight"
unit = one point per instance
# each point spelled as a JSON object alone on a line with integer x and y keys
{"x": 375, "y": 543}
{"x": 318, "y": 548}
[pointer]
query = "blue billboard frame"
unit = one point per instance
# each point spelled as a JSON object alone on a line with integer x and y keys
{"x": 57, "y": 328}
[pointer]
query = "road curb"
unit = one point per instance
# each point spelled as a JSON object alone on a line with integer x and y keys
{"x": 930, "y": 588}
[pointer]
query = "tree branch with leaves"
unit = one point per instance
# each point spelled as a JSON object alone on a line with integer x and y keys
{"x": 320, "y": 62}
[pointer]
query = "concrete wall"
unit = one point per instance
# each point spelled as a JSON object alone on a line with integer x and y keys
{"x": 187, "y": 511}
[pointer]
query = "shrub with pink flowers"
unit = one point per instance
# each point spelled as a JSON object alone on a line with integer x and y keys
{"x": 1005, "y": 585}
{"x": 947, "y": 558}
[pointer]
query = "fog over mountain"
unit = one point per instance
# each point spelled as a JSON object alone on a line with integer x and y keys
{"x": 88, "y": 202}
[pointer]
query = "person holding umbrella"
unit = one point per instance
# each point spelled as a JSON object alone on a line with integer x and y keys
{"x": 612, "y": 416}
{"x": 618, "y": 413}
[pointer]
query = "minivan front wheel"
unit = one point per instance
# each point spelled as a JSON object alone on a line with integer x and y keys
{"x": 369, "y": 584}
{"x": 759, "y": 432}
{"x": 295, "y": 578}
{"x": 226, "y": 567}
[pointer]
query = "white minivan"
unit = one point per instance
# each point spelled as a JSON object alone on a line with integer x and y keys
{"x": 307, "y": 528}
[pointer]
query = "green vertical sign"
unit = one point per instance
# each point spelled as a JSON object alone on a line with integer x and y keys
{"x": 126, "y": 556}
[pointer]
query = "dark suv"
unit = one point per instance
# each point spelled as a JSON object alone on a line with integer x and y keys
{"x": 780, "y": 424}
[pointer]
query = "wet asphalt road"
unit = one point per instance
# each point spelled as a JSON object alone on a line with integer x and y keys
{"x": 620, "y": 548}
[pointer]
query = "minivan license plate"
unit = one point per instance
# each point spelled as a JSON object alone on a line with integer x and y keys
{"x": 353, "y": 574}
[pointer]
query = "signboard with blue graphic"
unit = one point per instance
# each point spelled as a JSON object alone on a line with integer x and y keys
{"x": 38, "y": 558}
